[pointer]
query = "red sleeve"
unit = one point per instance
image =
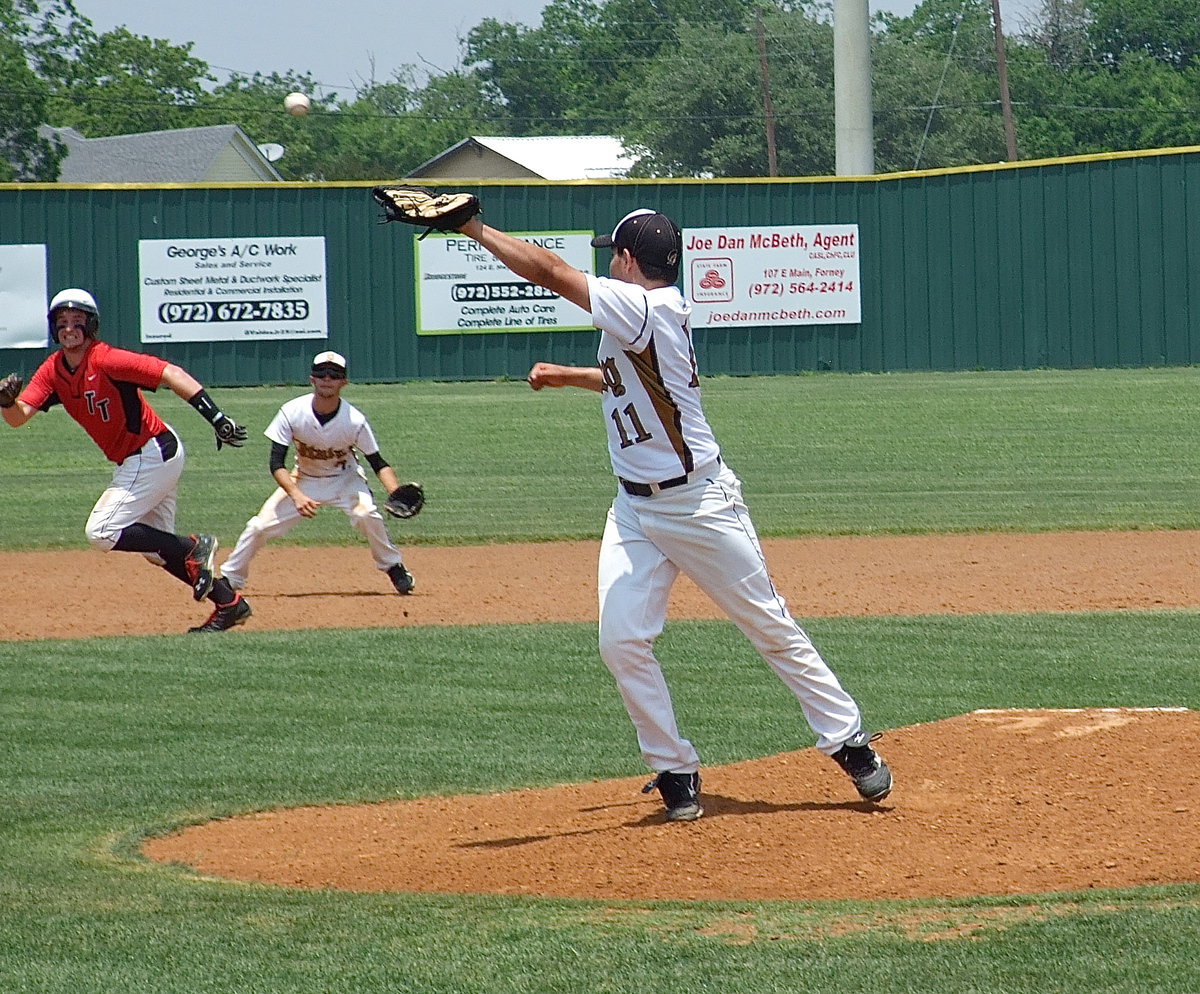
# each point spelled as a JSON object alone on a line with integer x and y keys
{"x": 137, "y": 368}
{"x": 40, "y": 387}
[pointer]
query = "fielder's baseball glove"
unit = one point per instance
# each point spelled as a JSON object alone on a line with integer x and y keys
{"x": 446, "y": 212}
{"x": 405, "y": 501}
{"x": 10, "y": 388}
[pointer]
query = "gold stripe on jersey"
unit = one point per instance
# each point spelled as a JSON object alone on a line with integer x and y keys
{"x": 645, "y": 364}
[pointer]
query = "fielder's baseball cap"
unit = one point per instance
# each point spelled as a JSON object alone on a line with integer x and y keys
{"x": 329, "y": 360}
{"x": 651, "y": 237}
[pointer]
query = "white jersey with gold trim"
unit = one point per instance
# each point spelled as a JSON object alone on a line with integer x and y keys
{"x": 323, "y": 449}
{"x": 656, "y": 426}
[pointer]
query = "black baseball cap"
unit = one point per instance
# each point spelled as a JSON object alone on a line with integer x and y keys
{"x": 652, "y": 238}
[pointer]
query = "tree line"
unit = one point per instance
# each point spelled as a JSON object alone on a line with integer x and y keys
{"x": 684, "y": 83}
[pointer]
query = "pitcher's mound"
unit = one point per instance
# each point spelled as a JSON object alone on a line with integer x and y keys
{"x": 993, "y": 802}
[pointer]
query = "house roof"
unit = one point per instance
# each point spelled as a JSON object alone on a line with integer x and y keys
{"x": 215, "y": 154}
{"x": 555, "y": 157}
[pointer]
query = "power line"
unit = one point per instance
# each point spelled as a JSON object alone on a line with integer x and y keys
{"x": 355, "y": 113}
{"x": 946, "y": 65}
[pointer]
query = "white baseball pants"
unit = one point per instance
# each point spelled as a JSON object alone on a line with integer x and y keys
{"x": 143, "y": 491}
{"x": 348, "y": 492}
{"x": 702, "y": 529}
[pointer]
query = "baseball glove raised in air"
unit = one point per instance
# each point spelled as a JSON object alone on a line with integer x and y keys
{"x": 405, "y": 501}
{"x": 10, "y": 388}
{"x": 445, "y": 212}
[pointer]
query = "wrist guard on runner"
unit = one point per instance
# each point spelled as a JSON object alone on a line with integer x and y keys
{"x": 228, "y": 431}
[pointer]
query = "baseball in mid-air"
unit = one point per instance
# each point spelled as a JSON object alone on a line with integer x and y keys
{"x": 297, "y": 104}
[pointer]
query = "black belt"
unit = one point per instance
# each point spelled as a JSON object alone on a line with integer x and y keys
{"x": 650, "y": 489}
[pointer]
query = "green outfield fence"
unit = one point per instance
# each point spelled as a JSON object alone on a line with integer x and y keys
{"x": 1068, "y": 263}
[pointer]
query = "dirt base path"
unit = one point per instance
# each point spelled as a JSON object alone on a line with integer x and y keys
{"x": 986, "y": 803}
{"x": 81, "y": 594}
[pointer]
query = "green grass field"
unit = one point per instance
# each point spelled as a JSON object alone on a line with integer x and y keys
{"x": 103, "y": 741}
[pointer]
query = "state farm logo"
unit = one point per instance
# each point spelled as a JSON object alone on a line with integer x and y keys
{"x": 712, "y": 281}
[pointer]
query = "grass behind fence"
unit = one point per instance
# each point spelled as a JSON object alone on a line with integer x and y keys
{"x": 829, "y": 454}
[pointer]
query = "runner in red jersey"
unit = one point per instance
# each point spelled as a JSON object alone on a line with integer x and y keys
{"x": 101, "y": 387}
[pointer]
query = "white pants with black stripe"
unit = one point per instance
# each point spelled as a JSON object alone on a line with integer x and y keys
{"x": 143, "y": 491}
{"x": 703, "y": 530}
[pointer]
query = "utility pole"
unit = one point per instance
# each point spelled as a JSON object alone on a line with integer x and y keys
{"x": 853, "y": 118}
{"x": 768, "y": 108}
{"x": 1010, "y": 130}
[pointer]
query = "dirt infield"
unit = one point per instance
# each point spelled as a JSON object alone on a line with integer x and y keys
{"x": 986, "y": 803}
{"x": 292, "y": 588}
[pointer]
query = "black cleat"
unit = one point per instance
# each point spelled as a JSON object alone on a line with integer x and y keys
{"x": 199, "y": 565}
{"x": 864, "y": 766}
{"x": 680, "y": 793}
{"x": 225, "y": 617}
{"x": 401, "y": 579}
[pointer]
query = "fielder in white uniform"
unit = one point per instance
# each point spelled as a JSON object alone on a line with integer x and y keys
{"x": 326, "y": 430}
{"x": 678, "y": 508}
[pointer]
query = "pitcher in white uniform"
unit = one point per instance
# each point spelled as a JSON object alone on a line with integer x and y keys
{"x": 678, "y": 506}
{"x": 327, "y": 431}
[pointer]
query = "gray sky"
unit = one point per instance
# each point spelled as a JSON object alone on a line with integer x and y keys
{"x": 341, "y": 42}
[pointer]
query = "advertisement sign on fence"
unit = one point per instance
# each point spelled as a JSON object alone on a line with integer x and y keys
{"x": 462, "y": 289}
{"x": 804, "y": 274}
{"x": 232, "y": 289}
{"x": 23, "y": 297}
